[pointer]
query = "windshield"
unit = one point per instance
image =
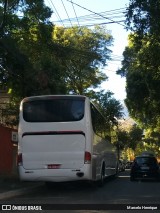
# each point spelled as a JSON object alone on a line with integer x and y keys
{"x": 53, "y": 110}
{"x": 146, "y": 161}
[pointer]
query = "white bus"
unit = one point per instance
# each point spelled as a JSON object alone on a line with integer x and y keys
{"x": 64, "y": 138}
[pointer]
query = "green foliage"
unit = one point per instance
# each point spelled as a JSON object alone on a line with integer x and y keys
{"x": 28, "y": 64}
{"x": 27, "y": 61}
{"x": 38, "y": 58}
{"x": 135, "y": 137}
{"x": 111, "y": 108}
{"x": 141, "y": 64}
{"x": 9, "y": 115}
{"x": 123, "y": 139}
{"x": 143, "y": 17}
{"x": 151, "y": 141}
{"x": 87, "y": 53}
{"x": 142, "y": 81}
{"x": 130, "y": 140}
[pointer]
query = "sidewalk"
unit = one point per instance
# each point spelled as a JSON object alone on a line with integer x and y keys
{"x": 12, "y": 186}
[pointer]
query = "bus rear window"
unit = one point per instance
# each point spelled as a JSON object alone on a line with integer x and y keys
{"x": 53, "y": 110}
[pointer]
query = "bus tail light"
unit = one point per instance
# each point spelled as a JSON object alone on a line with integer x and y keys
{"x": 19, "y": 159}
{"x": 87, "y": 158}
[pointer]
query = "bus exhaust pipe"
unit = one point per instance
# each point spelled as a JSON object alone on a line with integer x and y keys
{"x": 80, "y": 174}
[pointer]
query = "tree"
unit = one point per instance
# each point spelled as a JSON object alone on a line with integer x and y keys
{"x": 151, "y": 141}
{"x": 27, "y": 60}
{"x": 39, "y": 58}
{"x": 143, "y": 17}
{"x": 141, "y": 63}
{"x": 122, "y": 143}
{"x": 88, "y": 53}
{"x": 28, "y": 63}
{"x": 111, "y": 108}
{"x": 135, "y": 137}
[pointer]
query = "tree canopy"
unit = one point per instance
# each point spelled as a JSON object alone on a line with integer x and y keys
{"x": 141, "y": 64}
{"x": 37, "y": 57}
{"x": 143, "y": 17}
{"x": 111, "y": 108}
{"x": 141, "y": 67}
{"x": 88, "y": 51}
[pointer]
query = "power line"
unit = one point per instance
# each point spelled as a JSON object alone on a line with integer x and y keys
{"x": 93, "y": 16}
{"x": 75, "y": 13}
{"x": 56, "y": 12}
{"x": 92, "y": 19}
{"x": 103, "y": 23}
{"x": 66, "y": 12}
{"x": 95, "y": 13}
{"x": 90, "y": 22}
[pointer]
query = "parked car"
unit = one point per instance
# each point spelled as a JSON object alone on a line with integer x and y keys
{"x": 128, "y": 164}
{"x": 145, "y": 167}
{"x": 121, "y": 166}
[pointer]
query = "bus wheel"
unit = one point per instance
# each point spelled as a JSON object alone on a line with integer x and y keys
{"x": 102, "y": 179}
{"x": 116, "y": 172}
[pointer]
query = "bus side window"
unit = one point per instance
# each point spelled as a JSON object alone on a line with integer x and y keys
{"x": 100, "y": 127}
{"x": 93, "y": 118}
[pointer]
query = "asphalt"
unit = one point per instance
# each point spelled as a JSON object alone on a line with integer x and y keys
{"x": 11, "y": 185}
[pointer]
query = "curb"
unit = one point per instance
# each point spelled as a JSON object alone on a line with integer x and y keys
{"x": 17, "y": 192}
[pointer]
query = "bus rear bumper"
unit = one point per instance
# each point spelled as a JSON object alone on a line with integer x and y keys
{"x": 55, "y": 175}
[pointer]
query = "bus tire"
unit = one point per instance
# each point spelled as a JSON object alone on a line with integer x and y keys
{"x": 117, "y": 171}
{"x": 102, "y": 178}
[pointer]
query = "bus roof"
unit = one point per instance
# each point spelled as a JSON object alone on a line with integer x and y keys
{"x": 44, "y": 97}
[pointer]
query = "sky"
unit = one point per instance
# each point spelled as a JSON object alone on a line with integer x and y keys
{"x": 69, "y": 9}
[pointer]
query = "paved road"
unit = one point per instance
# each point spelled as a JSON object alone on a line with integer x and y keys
{"x": 115, "y": 191}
